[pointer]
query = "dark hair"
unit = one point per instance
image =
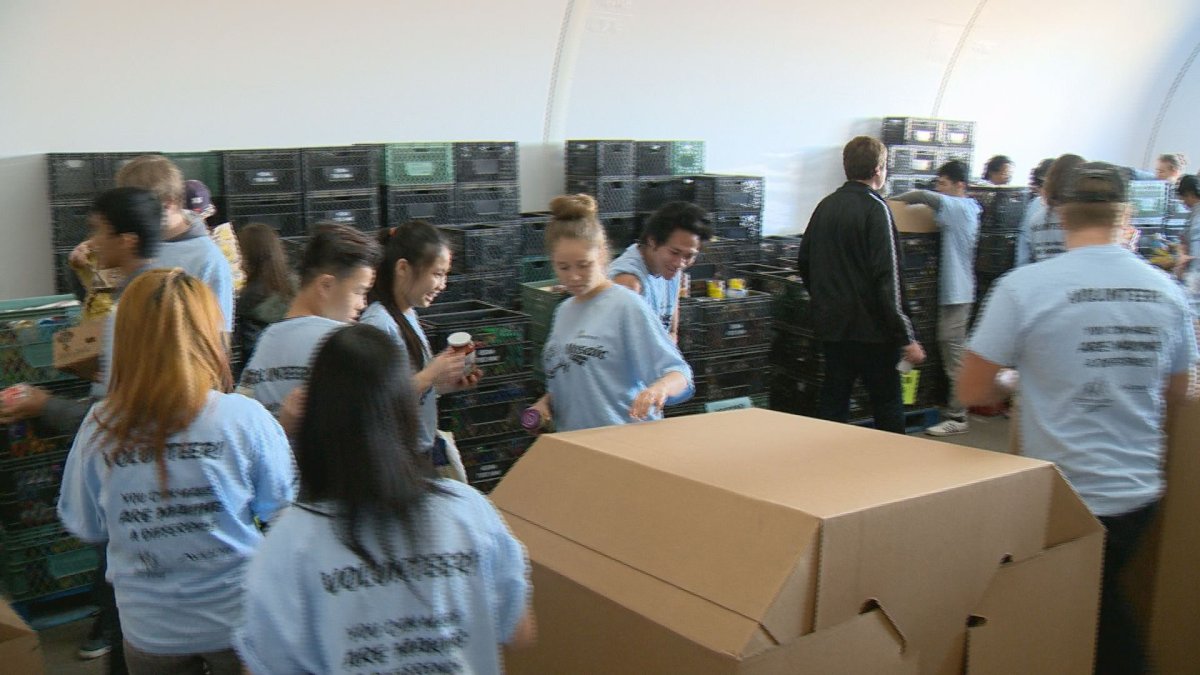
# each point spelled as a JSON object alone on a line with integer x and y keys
{"x": 263, "y": 260}
{"x": 862, "y": 156}
{"x": 1056, "y": 177}
{"x": 1189, "y": 185}
{"x": 338, "y": 250}
{"x": 1037, "y": 177}
{"x": 673, "y": 216}
{"x": 131, "y": 210}
{"x": 357, "y": 443}
{"x": 420, "y": 244}
{"x": 954, "y": 170}
{"x": 995, "y": 164}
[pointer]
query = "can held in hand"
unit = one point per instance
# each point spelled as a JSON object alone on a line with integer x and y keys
{"x": 461, "y": 343}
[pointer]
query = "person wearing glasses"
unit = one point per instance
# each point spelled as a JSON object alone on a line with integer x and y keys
{"x": 654, "y": 266}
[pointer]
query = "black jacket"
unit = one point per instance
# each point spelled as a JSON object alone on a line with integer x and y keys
{"x": 850, "y": 262}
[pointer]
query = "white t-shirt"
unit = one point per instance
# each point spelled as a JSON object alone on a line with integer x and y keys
{"x": 177, "y": 555}
{"x": 1095, "y": 334}
{"x": 283, "y": 358}
{"x": 445, "y": 604}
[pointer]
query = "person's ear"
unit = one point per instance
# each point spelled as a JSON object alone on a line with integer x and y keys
{"x": 402, "y": 269}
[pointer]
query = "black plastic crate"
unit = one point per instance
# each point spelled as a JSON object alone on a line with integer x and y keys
{"x": 796, "y": 353}
{"x": 262, "y": 172}
{"x": 781, "y": 250}
{"x": 621, "y": 229}
{"x": 964, "y": 155}
{"x": 600, "y": 158}
{"x": 755, "y": 275}
{"x": 285, "y": 213}
{"x": 485, "y": 162}
{"x": 29, "y": 489}
{"x": 728, "y": 193}
{"x": 996, "y": 252}
{"x": 726, "y": 253}
{"x": 745, "y": 227}
{"x": 898, "y": 185}
{"x": 75, "y": 175}
{"x": 432, "y": 203}
{"x": 791, "y": 306}
{"x": 63, "y": 273}
{"x": 206, "y": 167}
{"x": 482, "y": 247}
{"x": 340, "y": 168}
{"x": 711, "y": 325}
{"x": 487, "y": 461}
{"x": 487, "y": 201}
{"x": 1003, "y": 208}
{"x": 911, "y": 131}
{"x": 70, "y": 223}
{"x": 654, "y": 191}
{"x": 501, "y": 336}
{"x": 496, "y": 288}
{"x": 952, "y": 132}
{"x": 533, "y": 232}
{"x": 487, "y": 410}
{"x": 613, "y": 195}
{"x": 20, "y": 441}
{"x": 654, "y": 158}
{"x": 798, "y": 396}
{"x": 920, "y": 253}
{"x": 113, "y": 163}
{"x": 359, "y": 210}
{"x": 913, "y": 160}
{"x": 730, "y": 375}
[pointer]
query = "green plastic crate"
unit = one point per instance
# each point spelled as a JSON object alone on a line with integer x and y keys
{"x": 538, "y": 300}
{"x": 27, "y": 328}
{"x": 536, "y": 268}
{"x": 44, "y": 561}
{"x": 687, "y": 157}
{"x": 206, "y": 167}
{"x": 418, "y": 163}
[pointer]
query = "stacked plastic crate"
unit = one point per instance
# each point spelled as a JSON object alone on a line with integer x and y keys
{"x": 485, "y": 421}
{"x": 341, "y": 185}
{"x": 40, "y": 560}
{"x": 267, "y": 186}
{"x": 606, "y": 170}
{"x": 1152, "y": 210}
{"x": 918, "y": 146}
{"x": 999, "y": 233}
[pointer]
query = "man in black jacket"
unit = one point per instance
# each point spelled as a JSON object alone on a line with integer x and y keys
{"x": 849, "y": 262}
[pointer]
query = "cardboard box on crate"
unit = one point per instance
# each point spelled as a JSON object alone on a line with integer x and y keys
{"x": 872, "y": 553}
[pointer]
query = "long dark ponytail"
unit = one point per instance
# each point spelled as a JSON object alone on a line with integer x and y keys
{"x": 420, "y": 244}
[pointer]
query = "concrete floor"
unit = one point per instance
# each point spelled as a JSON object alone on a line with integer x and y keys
{"x": 59, "y": 644}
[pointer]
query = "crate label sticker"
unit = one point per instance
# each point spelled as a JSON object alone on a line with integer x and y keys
{"x": 736, "y": 330}
{"x": 485, "y": 357}
{"x": 339, "y": 173}
{"x": 264, "y": 178}
{"x": 486, "y": 167}
{"x": 418, "y": 168}
{"x": 340, "y": 216}
{"x": 738, "y": 403}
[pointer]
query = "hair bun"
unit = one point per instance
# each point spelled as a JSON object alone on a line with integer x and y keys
{"x": 573, "y": 207}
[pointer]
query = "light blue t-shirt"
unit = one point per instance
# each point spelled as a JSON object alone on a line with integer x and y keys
{"x": 456, "y": 591}
{"x": 1035, "y": 214}
{"x": 662, "y": 295}
{"x": 1191, "y": 274}
{"x": 377, "y": 315}
{"x": 176, "y": 556}
{"x": 200, "y": 257}
{"x": 1095, "y": 333}
{"x": 283, "y": 358}
{"x": 958, "y": 218}
{"x": 601, "y": 353}
{"x": 1042, "y": 234}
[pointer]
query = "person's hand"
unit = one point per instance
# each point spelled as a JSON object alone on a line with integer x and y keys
{"x": 650, "y": 399}
{"x": 914, "y": 353}
{"x": 446, "y": 370}
{"x": 292, "y": 410}
{"x": 30, "y": 404}
{"x": 542, "y": 405}
{"x": 79, "y": 254}
{"x": 463, "y": 382}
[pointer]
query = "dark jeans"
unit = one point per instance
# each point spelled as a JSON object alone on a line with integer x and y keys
{"x": 845, "y": 363}
{"x": 211, "y": 663}
{"x": 108, "y": 622}
{"x": 1120, "y": 648}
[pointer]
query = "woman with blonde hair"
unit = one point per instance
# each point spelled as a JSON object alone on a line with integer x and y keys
{"x": 175, "y": 473}
{"x": 607, "y": 359}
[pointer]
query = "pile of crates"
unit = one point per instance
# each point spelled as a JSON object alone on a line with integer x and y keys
{"x": 917, "y": 147}
{"x": 39, "y": 560}
{"x": 485, "y": 421}
{"x": 1003, "y": 209}
{"x": 1155, "y": 214}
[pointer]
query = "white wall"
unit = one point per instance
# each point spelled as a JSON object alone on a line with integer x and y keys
{"x": 774, "y": 86}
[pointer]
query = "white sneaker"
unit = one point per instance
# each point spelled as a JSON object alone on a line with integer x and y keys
{"x": 948, "y": 428}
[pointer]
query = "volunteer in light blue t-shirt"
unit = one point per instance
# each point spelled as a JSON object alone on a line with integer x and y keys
{"x": 957, "y": 216}
{"x": 1097, "y": 335}
{"x": 607, "y": 359}
{"x": 335, "y": 274}
{"x": 1189, "y": 269}
{"x": 654, "y": 266}
{"x": 379, "y": 566}
{"x": 176, "y": 476}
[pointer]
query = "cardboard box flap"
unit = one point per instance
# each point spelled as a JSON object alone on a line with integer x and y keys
{"x": 820, "y": 468}
{"x": 12, "y": 626}
{"x": 915, "y": 218}
{"x": 1070, "y": 518}
{"x": 687, "y": 614}
{"x": 865, "y": 644}
{"x": 927, "y": 561}
{"x": 721, "y": 546}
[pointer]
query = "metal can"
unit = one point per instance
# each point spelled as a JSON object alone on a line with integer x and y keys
{"x": 716, "y": 288}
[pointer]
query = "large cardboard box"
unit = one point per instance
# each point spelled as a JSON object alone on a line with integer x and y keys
{"x": 757, "y": 542}
{"x": 915, "y": 218}
{"x": 19, "y": 648}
